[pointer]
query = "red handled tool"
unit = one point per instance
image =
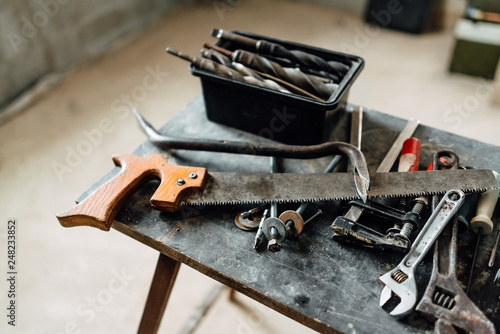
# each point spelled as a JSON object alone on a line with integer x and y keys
{"x": 409, "y": 159}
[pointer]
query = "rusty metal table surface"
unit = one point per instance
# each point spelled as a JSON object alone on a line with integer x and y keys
{"x": 324, "y": 285}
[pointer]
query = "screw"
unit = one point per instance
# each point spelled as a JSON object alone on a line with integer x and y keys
{"x": 193, "y": 175}
{"x": 180, "y": 181}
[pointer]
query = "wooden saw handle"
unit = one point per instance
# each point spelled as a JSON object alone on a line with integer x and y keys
{"x": 100, "y": 208}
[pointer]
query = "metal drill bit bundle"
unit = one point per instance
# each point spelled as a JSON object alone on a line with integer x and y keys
{"x": 270, "y": 65}
{"x": 307, "y": 61}
{"x": 215, "y": 62}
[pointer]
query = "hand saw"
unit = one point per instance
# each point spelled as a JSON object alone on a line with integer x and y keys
{"x": 195, "y": 186}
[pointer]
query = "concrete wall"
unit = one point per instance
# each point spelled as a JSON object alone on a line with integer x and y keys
{"x": 43, "y": 36}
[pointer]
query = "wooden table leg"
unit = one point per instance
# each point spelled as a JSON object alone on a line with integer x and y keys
{"x": 159, "y": 292}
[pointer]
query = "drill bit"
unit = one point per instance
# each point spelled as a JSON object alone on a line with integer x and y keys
{"x": 309, "y": 83}
{"x": 266, "y": 76}
{"x": 216, "y": 56}
{"x": 249, "y": 75}
{"x": 219, "y": 65}
{"x": 299, "y": 57}
{"x": 321, "y": 75}
{"x": 208, "y": 65}
{"x": 291, "y": 75}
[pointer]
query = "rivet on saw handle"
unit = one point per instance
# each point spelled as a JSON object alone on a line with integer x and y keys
{"x": 100, "y": 207}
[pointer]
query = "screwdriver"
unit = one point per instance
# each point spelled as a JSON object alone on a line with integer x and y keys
{"x": 481, "y": 224}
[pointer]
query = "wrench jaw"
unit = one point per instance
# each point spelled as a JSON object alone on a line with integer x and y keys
{"x": 402, "y": 285}
{"x": 460, "y": 313}
{"x": 445, "y": 300}
{"x": 385, "y": 296}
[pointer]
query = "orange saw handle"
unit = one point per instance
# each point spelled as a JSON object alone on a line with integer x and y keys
{"x": 100, "y": 207}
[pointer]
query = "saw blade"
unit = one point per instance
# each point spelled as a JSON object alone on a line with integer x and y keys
{"x": 240, "y": 188}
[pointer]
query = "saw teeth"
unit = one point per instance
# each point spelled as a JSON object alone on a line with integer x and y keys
{"x": 341, "y": 198}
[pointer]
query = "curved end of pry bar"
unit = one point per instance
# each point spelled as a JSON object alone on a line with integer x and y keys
{"x": 146, "y": 127}
{"x": 362, "y": 182}
{"x": 356, "y": 157}
{"x": 359, "y": 168}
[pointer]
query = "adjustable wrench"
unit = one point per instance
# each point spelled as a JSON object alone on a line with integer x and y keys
{"x": 444, "y": 299}
{"x": 400, "y": 281}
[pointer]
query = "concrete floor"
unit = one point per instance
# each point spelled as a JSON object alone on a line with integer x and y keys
{"x": 68, "y": 277}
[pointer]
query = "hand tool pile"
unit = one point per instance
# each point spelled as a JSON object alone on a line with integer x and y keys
{"x": 417, "y": 209}
{"x": 444, "y": 299}
{"x": 270, "y": 65}
{"x": 407, "y": 211}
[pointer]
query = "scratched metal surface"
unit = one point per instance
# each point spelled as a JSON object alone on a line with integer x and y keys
{"x": 316, "y": 281}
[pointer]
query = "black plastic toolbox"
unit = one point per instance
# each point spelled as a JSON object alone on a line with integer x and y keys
{"x": 284, "y": 117}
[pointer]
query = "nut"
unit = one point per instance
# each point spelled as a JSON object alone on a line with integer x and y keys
{"x": 274, "y": 245}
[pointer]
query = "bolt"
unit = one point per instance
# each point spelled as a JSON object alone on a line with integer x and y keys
{"x": 193, "y": 175}
{"x": 412, "y": 217}
{"x": 421, "y": 204}
{"x": 405, "y": 231}
{"x": 180, "y": 181}
{"x": 274, "y": 245}
{"x": 290, "y": 227}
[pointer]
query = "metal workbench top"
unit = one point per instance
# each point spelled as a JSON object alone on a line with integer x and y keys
{"x": 324, "y": 285}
